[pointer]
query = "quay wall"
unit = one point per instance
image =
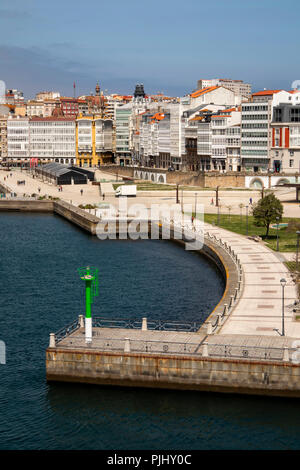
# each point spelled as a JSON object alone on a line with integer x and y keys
{"x": 77, "y": 216}
{"x": 210, "y": 179}
{"x": 26, "y": 205}
{"x": 74, "y": 214}
{"x": 173, "y": 372}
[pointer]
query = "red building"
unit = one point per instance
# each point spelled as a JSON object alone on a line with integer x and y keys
{"x": 69, "y": 106}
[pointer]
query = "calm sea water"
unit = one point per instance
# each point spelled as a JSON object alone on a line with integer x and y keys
{"x": 41, "y": 292}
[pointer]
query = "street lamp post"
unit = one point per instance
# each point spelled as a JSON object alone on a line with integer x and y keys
{"x": 247, "y": 220}
{"x": 297, "y": 253}
{"x": 217, "y": 196}
{"x": 181, "y": 200}
{"x": 283, "y": 284}
{"x": 218, "y": 222}
{"x": 277, "y": 243}
{"x": 177, "y": 196}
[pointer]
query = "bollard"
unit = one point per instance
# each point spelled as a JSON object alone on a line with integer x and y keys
{"x": 81, "y": 321}
{"x": 205, "y": 350}
{"x": 231, "y": 300}
{"x": 144, "y": 324}
{"x": 209, "y": 328}
{"x": 127, "y": 345}
{"x": 220, "y": 322}
{"x": 52, "y": 340}
{"x": 286, "y": 354}
{"x": 225, "y": 309}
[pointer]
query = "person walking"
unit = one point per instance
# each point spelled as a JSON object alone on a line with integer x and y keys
{"x": 103, "y": 196}
{"x": 81, "y": 192}
{"x": 250, "y": 201}
{"x": 39, "y": 190}
{"x": 212, "y": 201}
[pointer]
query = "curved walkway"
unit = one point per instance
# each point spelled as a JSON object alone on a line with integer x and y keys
{"x": 259, "y": 309}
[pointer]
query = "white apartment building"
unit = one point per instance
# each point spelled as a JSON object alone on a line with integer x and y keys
{"x": 225, "y": 140}
{"x": 18, "y": 140}
{"x": 255, "y": 135}
{"x": 85, "y": 135}
{"x": 218, "y": 140}
{"x": 52, "y": 139}
{"x": 123, "y": 134}
{"x": 35, "y": 108}
{"x": 237, "y": 86}
{"x": 3, "y": 138}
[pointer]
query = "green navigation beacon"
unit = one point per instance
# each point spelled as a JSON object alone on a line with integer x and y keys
{"x": 90, "y": 276}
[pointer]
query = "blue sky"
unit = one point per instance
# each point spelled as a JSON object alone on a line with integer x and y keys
{"x": 167, "y": 45}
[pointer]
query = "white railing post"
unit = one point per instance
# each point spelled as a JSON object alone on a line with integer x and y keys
{"x": 127, "y": 345}
{"x": 52, "y": 340}
{"x": 144, "y": 324}
{"x": 205, "y": 350}
{"x": 285, "y": 354}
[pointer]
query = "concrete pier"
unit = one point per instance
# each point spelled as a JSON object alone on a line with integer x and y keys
{"x": 177, "y": 360}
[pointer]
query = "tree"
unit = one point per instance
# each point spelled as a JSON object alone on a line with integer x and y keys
{"x": 266, "y": 211}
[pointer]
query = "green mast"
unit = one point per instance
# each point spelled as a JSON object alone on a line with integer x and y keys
{"x": 90, "y": 276}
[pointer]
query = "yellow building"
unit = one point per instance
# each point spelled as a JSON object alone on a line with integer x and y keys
{"x": 94, "y": 140}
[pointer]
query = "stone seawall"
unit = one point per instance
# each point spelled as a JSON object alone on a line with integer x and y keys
{"x": 26, "y": 205}
{"x": 173, "y": 372}
{"x": 72, "y": 213}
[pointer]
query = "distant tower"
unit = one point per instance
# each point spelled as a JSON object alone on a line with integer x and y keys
{"x": 139, "y": 91}
{"x": 97, "y": 89}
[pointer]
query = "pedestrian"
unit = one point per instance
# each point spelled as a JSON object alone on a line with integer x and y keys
{"x": 81, "y": 192}
{"x": 103, "y": 196}
{"x": 250, "y": 200}
{"x": 212, "y": 201}
{"x": 39, "y": 190}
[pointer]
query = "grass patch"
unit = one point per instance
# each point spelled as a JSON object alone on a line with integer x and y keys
{"x": 237, "y": 224}
{"x": 148, "y": 186}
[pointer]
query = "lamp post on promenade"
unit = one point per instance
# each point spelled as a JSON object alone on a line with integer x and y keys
{"x": 182, "y": 200}
{"x": 217, "y": 196}
{"x": 283, "y": 284}
{"x": 277, "y": 242}
{"x": 297, "y": 253}
{"x": 247, "y": 220}
{"x": 177, "y": 197}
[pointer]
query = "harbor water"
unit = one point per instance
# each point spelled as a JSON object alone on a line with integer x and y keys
{"x": 41, "y": 292}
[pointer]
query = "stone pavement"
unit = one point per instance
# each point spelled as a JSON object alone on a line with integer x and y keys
{"x": 255, "y": 347}
{"x": 259, "y": 310}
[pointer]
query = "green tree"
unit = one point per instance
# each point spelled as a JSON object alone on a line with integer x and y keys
{"x": 266, "y": 211}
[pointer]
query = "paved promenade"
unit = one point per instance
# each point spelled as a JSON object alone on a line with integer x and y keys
{"x": 259, "y": 310}
{"x": 229, "y": 199}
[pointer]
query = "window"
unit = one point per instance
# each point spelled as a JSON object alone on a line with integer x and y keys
{"x": 291, "y": 163}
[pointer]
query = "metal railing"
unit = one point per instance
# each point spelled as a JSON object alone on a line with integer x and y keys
{"x": 238, "y": 288}
{"x": 200, "y": 349}
{"x": 163, "y": 325}
{"x": 66, "y": 331}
